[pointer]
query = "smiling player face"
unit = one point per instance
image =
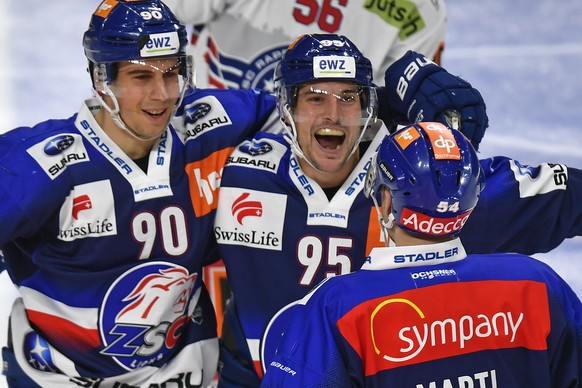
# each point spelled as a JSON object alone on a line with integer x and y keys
{"x": 328, "y": 121}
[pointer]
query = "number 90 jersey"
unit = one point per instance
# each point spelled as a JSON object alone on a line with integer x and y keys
{"x": 108, "y": 257}
{"x": 243, "y": 39}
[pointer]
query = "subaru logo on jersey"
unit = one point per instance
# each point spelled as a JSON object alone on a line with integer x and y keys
{"x": 165, "y": 43}
{"x": 334, "y": 66}
{"x": 202, "y": 116}
{"x": 250, "y": 218}
{"x": 38, "y": 353}
{"x": 57, "y": 152}
{"x": 261, "y": 155}
{"x": 58, "y": 144}
{"x": 255, "y": 148}
{"x": 88, "y": 211}
{"x": 146, "y": 311}
{"x": 195, "y": 112}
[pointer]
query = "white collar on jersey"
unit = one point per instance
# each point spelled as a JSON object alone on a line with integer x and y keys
{"x": 414, "y": 256}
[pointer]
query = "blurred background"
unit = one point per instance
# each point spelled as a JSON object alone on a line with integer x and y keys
{"x": 524, "y": 56}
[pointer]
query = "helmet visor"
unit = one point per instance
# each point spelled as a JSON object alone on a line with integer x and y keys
{"x": 167, "y": 77}
{"x": 346, "y": 104}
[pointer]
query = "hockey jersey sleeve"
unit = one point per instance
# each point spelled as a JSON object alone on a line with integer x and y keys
{"x": 196, "y": 12}
{"x": 524, "y": 209}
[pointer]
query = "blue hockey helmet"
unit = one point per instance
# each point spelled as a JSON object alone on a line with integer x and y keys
{"x": 122, "y": 30}
{"x": 320, "y": 57}
{"x": 434, "y": 177}
{"x": 138, "y": 31}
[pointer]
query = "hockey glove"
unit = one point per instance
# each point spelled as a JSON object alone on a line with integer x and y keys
{"x": 419, "y": 90}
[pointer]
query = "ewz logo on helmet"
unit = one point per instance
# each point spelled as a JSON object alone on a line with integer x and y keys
{"x": 161, "y": 44}
{"x": 334, "y": 66}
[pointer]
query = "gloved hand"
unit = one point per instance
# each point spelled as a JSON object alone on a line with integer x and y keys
{"x": 419, "y": 90}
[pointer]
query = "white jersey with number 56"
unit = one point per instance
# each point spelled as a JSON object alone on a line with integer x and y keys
{"x": 238, "y": 42}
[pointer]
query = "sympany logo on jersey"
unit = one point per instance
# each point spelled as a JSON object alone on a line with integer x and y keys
{"x": 57, "y": 152}
{"x": 145, "y": 313}
{"x": 88, "y": 211}
{"x": 250, "y": 218}
{"x": 410, "y": 328}
{"x": 203, "y": 116}
{"x": 261, "y": 154}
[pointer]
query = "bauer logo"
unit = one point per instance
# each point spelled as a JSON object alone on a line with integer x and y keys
{"x": 166, "y": 43}
{"x": 334, "y": 67}
{"x": 58, "y": 152}
{"x": 88, "y": 211}
{"x": 250, "y": 218}
{"x": 409, "y": 328}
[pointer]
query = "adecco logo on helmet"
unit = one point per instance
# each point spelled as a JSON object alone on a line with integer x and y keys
{"x": 334, "y": 66}
{"x": 166, "y": 43}
{"x": 432, "y": 225}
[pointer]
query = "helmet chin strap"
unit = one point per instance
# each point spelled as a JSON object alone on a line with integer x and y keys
{"x": 385, "y": 224}
{"x": 115, "y": 114}
{"x": 291, "y": 135}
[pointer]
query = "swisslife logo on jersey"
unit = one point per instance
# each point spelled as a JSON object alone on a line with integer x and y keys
{"x": 202, "y": 116}
{"x": 57, "y": 152}
{"x": 88, "y": 211}
{"x": 250, "y": 218}
{"x": 410, "y": 328}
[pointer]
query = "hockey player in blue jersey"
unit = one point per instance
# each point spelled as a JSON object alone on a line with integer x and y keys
{"x": 423, "y": 313}
{"x": 107, "y": 216}
{"x": 292, "y": 211}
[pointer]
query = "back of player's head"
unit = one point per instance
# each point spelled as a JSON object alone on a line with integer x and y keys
{"x": 320, "y": 57}
{"x": 434, "y": 177}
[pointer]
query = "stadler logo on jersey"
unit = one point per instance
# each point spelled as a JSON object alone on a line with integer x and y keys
{"x": 57, "y": 152}
{"x": 204, "y": 115}
{"x": 251, "y": 218}
{"x": 410, "y": 328}
{"x": 145, "y": 313}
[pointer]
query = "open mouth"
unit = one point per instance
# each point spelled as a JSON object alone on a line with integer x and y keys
{"x": 330, "y": 139}
{"x": 155, "y": 113}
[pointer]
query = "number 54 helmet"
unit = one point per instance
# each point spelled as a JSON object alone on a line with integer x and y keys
{"x": 138, "y": 31}
{"x": 434, "y": 177}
